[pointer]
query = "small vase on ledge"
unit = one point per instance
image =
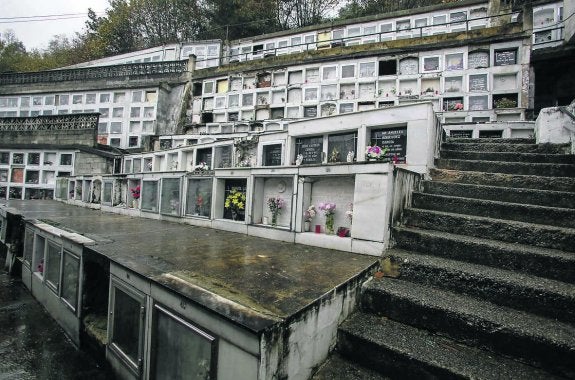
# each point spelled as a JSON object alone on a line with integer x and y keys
{"x": 306, "y": 226}
{"x": 274, "y": 219}
{"x": 134, "y": 203}
{"x": 329, "y": 221}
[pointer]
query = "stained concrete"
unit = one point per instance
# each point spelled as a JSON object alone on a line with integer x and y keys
{"x": 32, "y": 345}
{"x": 268, "y": 280}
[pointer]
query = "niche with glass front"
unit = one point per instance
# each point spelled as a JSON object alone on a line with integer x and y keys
{"x": 126, "y": 330}
{"x": 341, "y": 147}
{"x": 171, "y": 196}
{"x": 70, "y": 277}
{"x": 235, "y": 199}
{"x": 180, "y": 349}
{"x": 199, "y": 197}
{"x": 149, "y": 196}
{"x": 52, "y": 266}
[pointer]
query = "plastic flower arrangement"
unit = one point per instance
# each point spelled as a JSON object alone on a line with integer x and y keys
{"x": 458, "y": 107}
{"x": 135, "y": 192}
{"x": 235, "y": 201}
{"x": 375, "y": 153}
{"x": 328, "y": 209}
{"x": 275, "y": 204}
{"x": 310, "y": 213}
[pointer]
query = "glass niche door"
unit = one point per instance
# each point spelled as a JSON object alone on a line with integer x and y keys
{"x": 181, "y": 350}
{"x": 171, "y": 196}
{"x": 126, "y": 330}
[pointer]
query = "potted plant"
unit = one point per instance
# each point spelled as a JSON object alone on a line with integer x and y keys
{"x": 429, "y": 91}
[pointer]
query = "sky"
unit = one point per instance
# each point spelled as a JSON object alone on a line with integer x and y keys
{"x": 35, "y": 33}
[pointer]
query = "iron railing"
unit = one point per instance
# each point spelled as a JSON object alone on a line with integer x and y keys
{"x": 50, "y": 123}
{"x": 96, "y": 73}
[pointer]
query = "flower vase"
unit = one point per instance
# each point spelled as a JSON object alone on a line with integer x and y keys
{"x": 306, "y": 226}
{"x": 234, "y": 215}
{"x": 329, "y": 221}
{"x": 134, "y": 203}
{"x": 274, "y": 219}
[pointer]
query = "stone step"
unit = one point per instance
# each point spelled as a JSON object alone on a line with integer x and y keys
{"x": 552, "y": 216}
{"x": 544, "y": 262}
{"x": 503, "y": 194}
{"x": 405, "y": 352}
{"x": 499, "y": 141}
{"x": 539, "y": 341}
{"x": 495, "y": 229}
{"x": 564, "y": 184}
{"x": 337, "y": 367}
{"x": 538, "y": 169}
{"x": 549, "y": 298}
{"x": 473, "y": 145}
{"x": 508, "y": 156}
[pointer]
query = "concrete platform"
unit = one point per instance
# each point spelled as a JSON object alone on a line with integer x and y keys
{"x": 266, "y": 280}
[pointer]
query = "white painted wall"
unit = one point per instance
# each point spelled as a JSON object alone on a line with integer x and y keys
{"x": 554, "y": 126}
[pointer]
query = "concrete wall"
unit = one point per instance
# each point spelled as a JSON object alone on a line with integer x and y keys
{"x": 169, "y": 109}
{"x": 556, "y": 127}
{"x": 297, "y": 348}
{"x": 419, "y": 119}
{"x": 91, "y": 164}
{"x": 56, "y": 137}
{"x": 569, "y": 17}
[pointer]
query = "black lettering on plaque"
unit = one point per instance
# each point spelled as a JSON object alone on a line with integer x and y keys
{"x": 394, "y": 140}
{"x": 310, "y": 149}
{"x": 273, "y": 155}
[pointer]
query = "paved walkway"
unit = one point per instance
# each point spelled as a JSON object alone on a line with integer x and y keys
{"x": 32, "y": 345}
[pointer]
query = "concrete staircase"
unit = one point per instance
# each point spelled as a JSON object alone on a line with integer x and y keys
{"x": 481, "y": 282}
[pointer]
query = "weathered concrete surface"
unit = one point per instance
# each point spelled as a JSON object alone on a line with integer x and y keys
{"x": 271, "y": 279}
{"x": 32, "y": 345}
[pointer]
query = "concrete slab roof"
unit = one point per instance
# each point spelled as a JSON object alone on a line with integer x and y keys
{"x": 252, "y": 281}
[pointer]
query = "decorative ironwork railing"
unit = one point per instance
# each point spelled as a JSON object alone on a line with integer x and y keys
{"x": 50, "y": 123}
{"x": 95, "y": 73}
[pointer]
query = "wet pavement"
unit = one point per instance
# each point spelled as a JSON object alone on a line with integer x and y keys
{"x": 268, "y": 280}
{"x": 32, "y": 345}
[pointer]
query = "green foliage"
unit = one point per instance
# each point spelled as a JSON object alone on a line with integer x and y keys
{"x": 130, "y": 25}
{"x": 359, "y": 8}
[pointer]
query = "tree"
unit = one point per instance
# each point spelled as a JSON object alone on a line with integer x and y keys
{"x": 12, "y": 52}
{"x": 359, "y": 8}
{"x": 165, "y": 21}
{"x": 300, "y": 13}
{"x": 114, "y": 33}
{"x": 233, "y": 19}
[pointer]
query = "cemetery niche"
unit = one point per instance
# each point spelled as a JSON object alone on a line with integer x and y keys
{"x": 170, "y": 196}
{"x": 235, "y": 199}
{"x": 309, "y": 150}
{"x": 273, "y": 195}
{"x": 199, "y": 197}
{"x": 393, "y": 141}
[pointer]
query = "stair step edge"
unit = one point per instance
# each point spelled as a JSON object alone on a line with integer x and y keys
{"x": 480, "y": 312}
{"x": 436, "y": 351}
{"x": 532, "y": 282}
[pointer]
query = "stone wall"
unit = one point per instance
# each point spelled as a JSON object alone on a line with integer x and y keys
{"x": 54, "y": 130}
{"x": 91, "y": 164}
